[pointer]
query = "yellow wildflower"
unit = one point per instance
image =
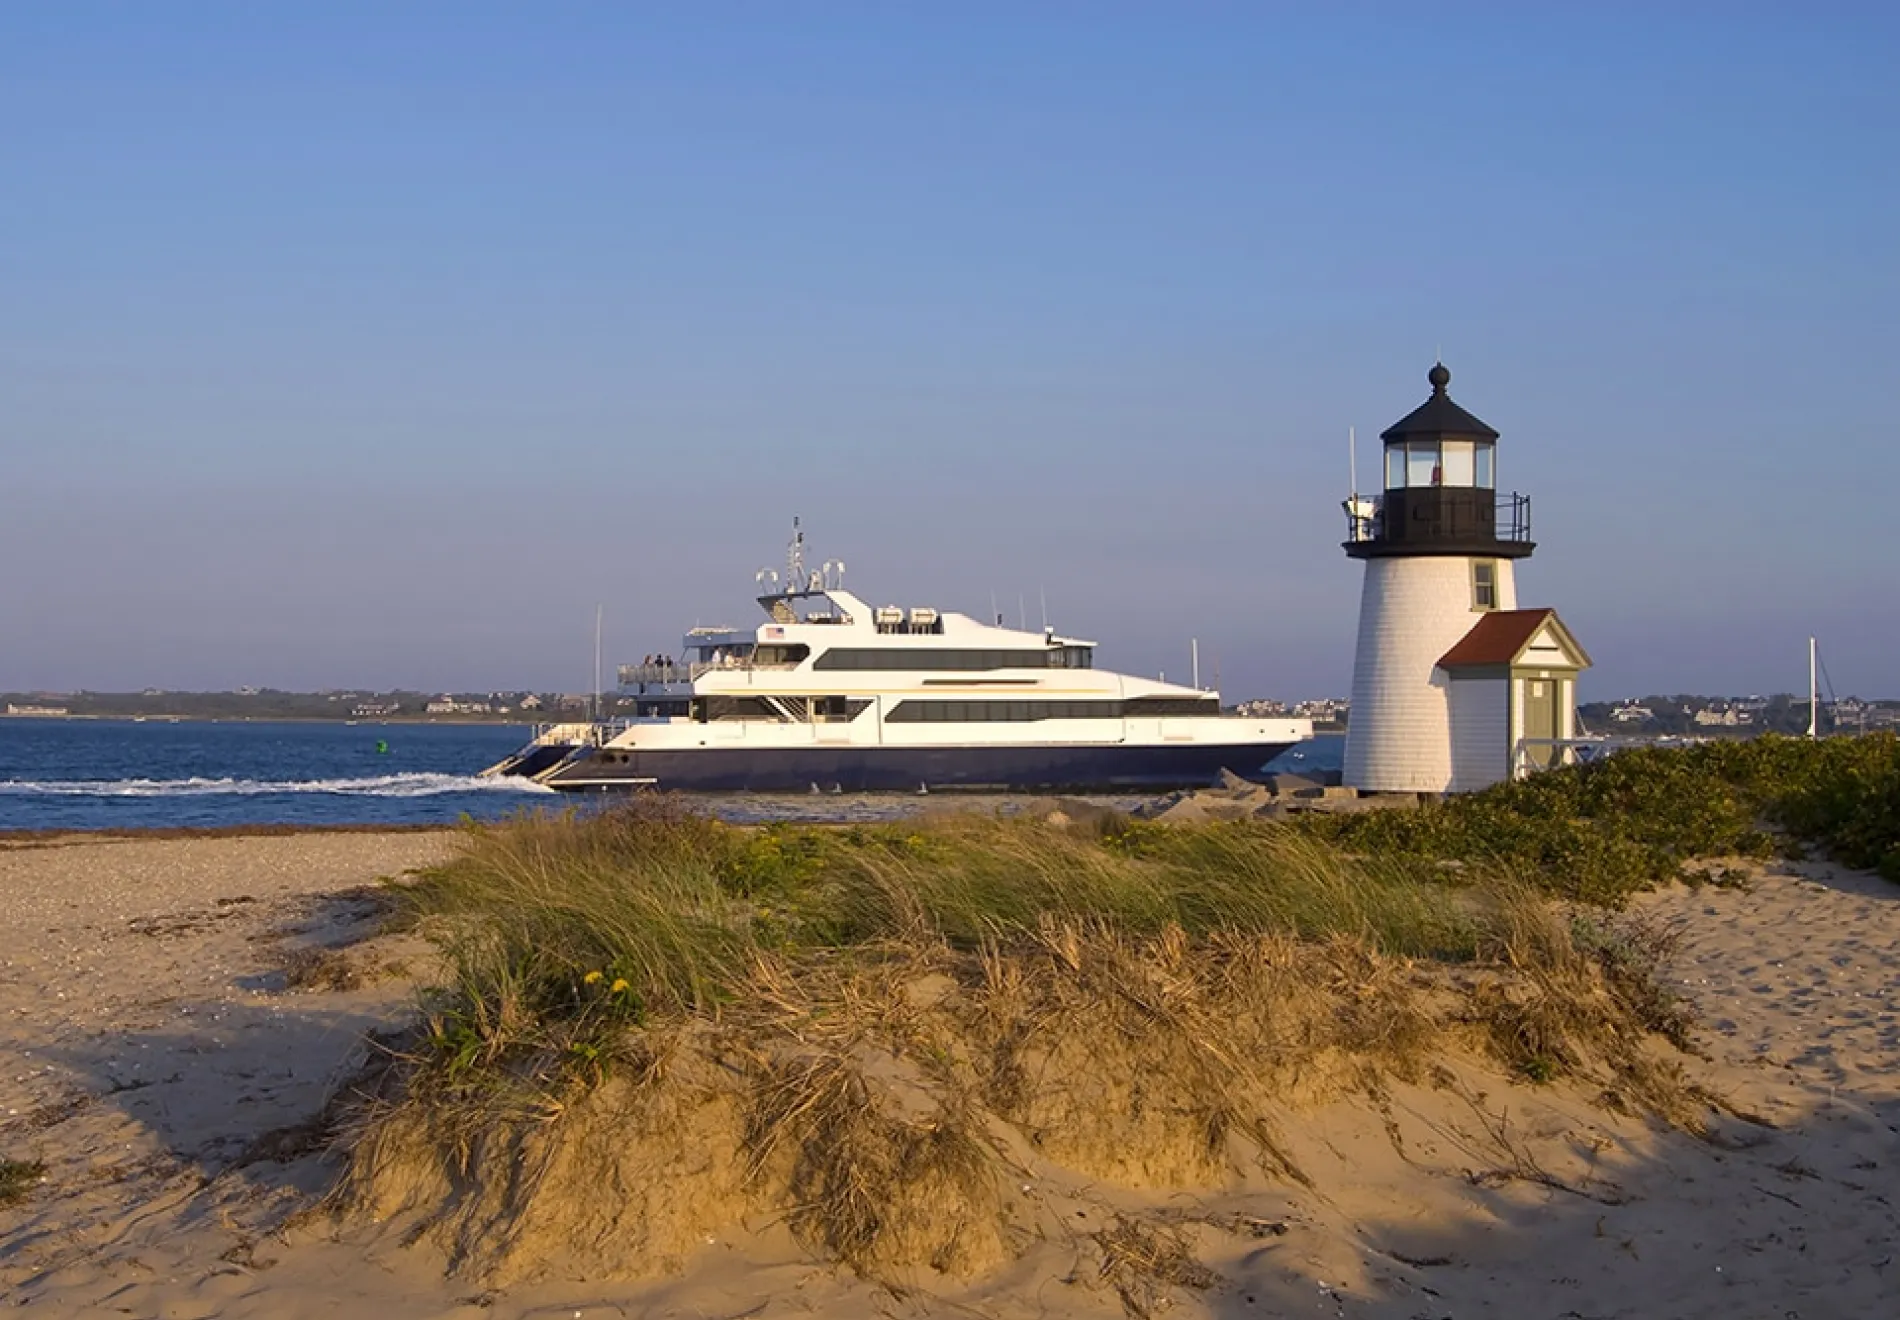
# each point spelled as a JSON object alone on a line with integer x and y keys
{"x": 593, "y": 978}
{"x": 620, "y": 983}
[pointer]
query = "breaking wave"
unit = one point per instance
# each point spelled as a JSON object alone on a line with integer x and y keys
{"x": 382, "y": 786}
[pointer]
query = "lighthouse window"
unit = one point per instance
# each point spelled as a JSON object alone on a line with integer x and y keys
{"x": 1458, "y": 463}
{"x": 1395, "y": 468}
{"x": 1484, "y": 584}
{"x": 1486, "y": 473}
{"x": 1421, "y": 463}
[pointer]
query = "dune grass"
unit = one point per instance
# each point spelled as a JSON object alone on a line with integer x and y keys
{"x": 650, "y": 909}
{"x": 865, "y": 1019}
{"x": 564, "y": 932}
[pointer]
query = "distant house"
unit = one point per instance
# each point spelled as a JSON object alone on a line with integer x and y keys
{"x": 531, "y": 702}
{"x": 450, "y": 706}
{"x": 1722, "y": 717}
{"x": 1631, "y": 713}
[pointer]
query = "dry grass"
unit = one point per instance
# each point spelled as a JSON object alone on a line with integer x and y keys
{"x": 659, "y": 1025}
{"x": 18, "y": 1178}
{"x": 1140, "y": 1260}
{"x": 322, "y": 967}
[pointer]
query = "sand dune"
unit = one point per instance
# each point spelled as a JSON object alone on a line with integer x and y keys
{"x": 159, "y": 1061}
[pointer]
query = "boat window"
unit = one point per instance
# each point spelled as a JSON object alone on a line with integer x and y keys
{"x": 1005, "y": 712}
{"x": 739, "y": 708}
{"x": 1173, "y": 706}
{"x": 912, "y": 659}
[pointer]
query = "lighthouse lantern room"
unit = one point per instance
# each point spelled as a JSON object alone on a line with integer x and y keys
{"x": 1440, "y": 545}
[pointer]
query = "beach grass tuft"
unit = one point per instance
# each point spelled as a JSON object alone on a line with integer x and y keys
{"x": 563, "y": 931}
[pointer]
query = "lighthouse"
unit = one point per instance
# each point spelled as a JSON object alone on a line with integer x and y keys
{"x": 1453, "y": 686}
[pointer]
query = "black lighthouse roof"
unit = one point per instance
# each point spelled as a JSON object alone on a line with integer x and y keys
{"x": 1438, "y": 415}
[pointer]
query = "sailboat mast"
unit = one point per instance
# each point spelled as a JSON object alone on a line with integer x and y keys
{"x": 597, "y": 616}
{"x": 1814, "y": 691}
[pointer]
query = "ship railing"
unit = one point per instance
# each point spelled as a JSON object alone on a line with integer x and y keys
{"x": 742, "y": 665}
{"x": 643, "y": 674}
{"x": 560, "y": 731}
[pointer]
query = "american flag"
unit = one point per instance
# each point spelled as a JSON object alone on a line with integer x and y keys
{"x": 774, "y": 632}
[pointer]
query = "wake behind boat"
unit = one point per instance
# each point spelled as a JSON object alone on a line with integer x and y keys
{"x": 834, "y": 694}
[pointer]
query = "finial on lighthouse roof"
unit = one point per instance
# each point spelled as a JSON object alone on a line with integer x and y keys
{"x": 1439, "y": 376}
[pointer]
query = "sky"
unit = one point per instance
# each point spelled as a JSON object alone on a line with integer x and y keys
{"x": 369, "y": 345}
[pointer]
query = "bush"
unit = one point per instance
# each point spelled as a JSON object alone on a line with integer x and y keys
{"x": 1602, "y": 831}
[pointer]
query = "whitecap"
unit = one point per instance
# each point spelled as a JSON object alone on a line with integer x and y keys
{"x": 413, "y": 785}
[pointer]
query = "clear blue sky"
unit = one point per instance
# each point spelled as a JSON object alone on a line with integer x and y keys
{"x": 374, "y": 344}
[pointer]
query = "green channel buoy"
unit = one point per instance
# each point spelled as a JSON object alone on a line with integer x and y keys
{"x": 381, "y": 746}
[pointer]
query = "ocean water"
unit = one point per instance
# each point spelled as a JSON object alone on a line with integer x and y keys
{"x": 125, "y": 774}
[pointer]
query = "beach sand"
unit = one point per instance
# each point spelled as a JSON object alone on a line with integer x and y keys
{"x": 157, "y": 1057}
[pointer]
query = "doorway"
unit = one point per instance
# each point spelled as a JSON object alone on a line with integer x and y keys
{"x": 1540, "y": 721}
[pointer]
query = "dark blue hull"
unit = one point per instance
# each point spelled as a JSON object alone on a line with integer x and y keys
{"x": 906, "y": 769}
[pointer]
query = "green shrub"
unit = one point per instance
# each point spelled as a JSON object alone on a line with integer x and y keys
{"x": 1603, "y": 831}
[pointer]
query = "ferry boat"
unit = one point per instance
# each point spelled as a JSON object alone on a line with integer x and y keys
{"x": 832, "y": 694}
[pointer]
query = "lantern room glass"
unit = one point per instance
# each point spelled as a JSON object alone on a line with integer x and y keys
{"x": 1423, "y": 464}
{"x": 1458, "y": 463}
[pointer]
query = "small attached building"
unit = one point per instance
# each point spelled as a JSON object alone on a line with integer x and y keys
{"x": 1512, "y": 686}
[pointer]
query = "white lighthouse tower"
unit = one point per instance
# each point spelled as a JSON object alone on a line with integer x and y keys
{"x": 1440, "y": 546}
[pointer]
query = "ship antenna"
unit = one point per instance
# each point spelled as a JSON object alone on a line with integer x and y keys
{"x": 795, "y": 559}
{"x": 598, "y": 609}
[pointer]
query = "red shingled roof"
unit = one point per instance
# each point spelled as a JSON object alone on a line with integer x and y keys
{"x": 1497, "y": 638}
